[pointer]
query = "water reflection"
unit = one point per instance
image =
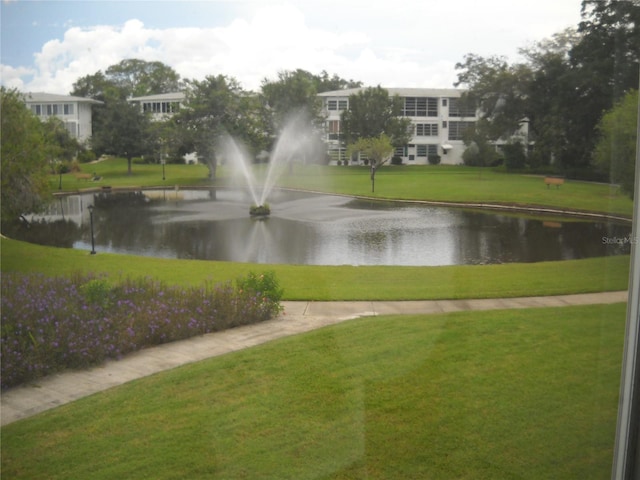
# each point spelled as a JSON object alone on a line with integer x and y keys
{"x": 313, "y": 229}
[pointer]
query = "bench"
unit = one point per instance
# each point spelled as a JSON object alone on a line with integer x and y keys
{"x": 557, "y": 181}
{"x": 87, "y": 176}
{"x": 83, "y": 176}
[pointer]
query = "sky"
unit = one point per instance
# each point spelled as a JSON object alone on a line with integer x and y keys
{"x": 45, "y": 46}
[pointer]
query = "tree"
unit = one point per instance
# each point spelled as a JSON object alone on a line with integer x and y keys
{"x": 24, "y": 185}
{"x": 615, "y": 152}
{"x": 372, "y": 113}
{"x": 480, "y": 152}
{"x": 131, "y": 77}
{"x": 138, "y": 77}
{"x": 378, "y": 150}
{"x": 498, "y": 90}
{"x": 324, "y": 83}
{"x": 125, "y": 132}
{"x": 62, "y": 147}
{"x": 604, "y": 65}
{"x": 563, "y": 87}
{"x": 551, "y": 109}
{"x": 214, "y": 106}
{"x": 294, "y": 91}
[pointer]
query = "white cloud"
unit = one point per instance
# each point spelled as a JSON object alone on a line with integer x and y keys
{"x": 415, "y": 46}
{"x": 14, "y": 77}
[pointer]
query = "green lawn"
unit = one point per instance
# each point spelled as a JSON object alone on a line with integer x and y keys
{"x": 434, "y": 183}
{"x": 301, "y": 282}
{"x": 525, "y": 394}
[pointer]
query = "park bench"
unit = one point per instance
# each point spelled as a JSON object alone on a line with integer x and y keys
{"x": 87, "y": 176}
{"x": 557, "y": 181}
{"x": 83, "y": 176}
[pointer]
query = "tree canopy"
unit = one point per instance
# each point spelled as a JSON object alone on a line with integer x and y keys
{"x": 214, "y": 106}
{"x": 372, "y": 112}
{"x": 615, "y": 152}
{"x": 564, "y": 85}
{"x": 295, "y": 91}
{"x": 23, "y": 156}
{"x": 124, "y": 131}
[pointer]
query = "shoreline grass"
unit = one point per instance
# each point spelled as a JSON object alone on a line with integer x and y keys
{"x": 483, "y": 395}
{"x": 323, "y": 283}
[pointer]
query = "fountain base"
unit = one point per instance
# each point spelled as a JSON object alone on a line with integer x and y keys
{"x": 260, "y": 210}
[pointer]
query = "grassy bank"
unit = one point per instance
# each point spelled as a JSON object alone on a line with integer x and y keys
{"x": 302, "y": 282}
{"x": 435, "y": 183}
{"x": 483, "y": 395}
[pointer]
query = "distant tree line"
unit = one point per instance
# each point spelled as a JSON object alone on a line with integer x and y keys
{"x": 563, "y": 89}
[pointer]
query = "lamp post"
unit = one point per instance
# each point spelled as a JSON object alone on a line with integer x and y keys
{"x": 93, "y": 243}
{"x": 163, "y": 161}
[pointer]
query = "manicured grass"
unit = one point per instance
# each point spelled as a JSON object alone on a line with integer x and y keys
{"x": 113, "y": 173}
{"x": 461, "y": 184}
{"x": 525, "y": 394}
{"x": 302, "y": 282}
{"x": 437, "y": 183}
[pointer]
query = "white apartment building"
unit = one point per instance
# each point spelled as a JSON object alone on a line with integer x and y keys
{"x": 438, "y": 122}
{"x": 161, "y": 106}
{"x": 75, "y": 112}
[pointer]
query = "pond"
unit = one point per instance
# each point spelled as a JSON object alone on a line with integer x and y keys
{"x": 314, "y": 230}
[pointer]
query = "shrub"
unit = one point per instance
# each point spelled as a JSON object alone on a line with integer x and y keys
{"x": 434, "y": 159}
{"x": 266, "y": 288}
{"x": 395, "y": 160}
{"x": 260, "y": 210}
{"x": 86, "y": 156}
{"x": 514, "y": 156}
{"x": 81, "y": 321}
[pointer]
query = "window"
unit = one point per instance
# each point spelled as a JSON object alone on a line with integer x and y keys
{"x": 458, "y": 108}
{"x": 399, "y": 152}
{"x": 427, "y": 129}
{"x": 332, "y": 105}
{"x": 49, "y": 109}
{"x": 426, "y": 150}
{"x": 457, "y": 129}
{"x": 343, "y": 104}
{"x": 420, "y": 107}
{"x": 333, "y": 129}
{"x": 36, "y": 109}
{"x": 444, "y": 102}
{"x": 337, "y": 154}
{"x": 68, "y": 109}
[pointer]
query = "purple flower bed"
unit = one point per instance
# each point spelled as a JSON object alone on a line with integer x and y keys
{"x": 51, "y": 324}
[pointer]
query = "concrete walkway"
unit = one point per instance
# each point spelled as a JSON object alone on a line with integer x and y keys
{"x": 55, "y": 390}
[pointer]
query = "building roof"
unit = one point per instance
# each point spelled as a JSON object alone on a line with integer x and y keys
{"x": 162, "y": 97}
{"x": 42, "y": 97}
{"x": 402, "y": 92}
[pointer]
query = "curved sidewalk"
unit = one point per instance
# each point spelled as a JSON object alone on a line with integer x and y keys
{"x": 299, "y": 317}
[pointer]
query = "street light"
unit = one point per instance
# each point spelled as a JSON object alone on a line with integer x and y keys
{"x": 163, "y": 162}
{"x": 93, "y": 243}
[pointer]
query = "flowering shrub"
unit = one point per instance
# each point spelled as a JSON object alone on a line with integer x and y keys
{"x": 49, "y": 324}
{"x": 262, "y": 289}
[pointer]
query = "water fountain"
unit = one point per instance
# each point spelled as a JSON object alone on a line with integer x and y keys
{"x": 295, "y": 139}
